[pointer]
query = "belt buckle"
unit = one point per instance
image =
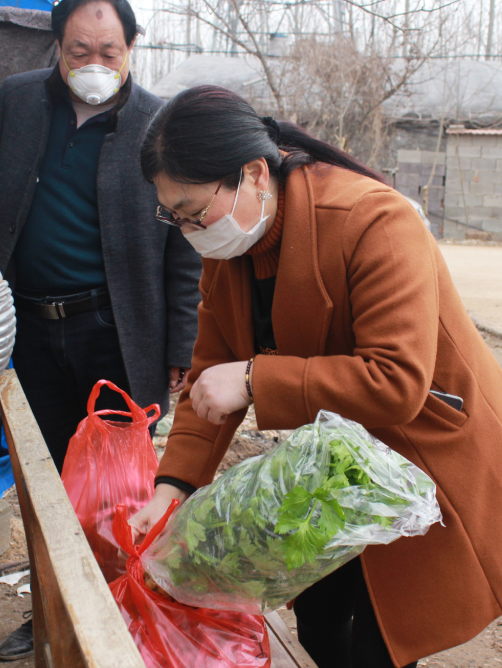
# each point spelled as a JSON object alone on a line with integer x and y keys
{"x": 59, "y": 306}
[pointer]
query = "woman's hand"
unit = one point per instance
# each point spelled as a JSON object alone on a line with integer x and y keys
{"x": 149, "y": 515}
{"x": 219, "y": 391}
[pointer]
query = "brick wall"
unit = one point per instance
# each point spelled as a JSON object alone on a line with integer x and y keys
{"x": 473, "y": 190}
{"x": 413, "y": 173}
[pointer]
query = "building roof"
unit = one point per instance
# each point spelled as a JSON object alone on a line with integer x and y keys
{"x": 457, "y": 90}
{"x": 460, "y": 89}
{"x": 462, "y": 130}
{"x": 236, "y": 74}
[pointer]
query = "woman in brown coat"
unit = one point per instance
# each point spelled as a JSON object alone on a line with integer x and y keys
{"x": 328, "y": 278}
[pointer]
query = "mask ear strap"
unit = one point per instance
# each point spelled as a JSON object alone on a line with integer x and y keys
{"x": 237, "y": 193}
{"x": 70, "y": 72}
{"x": 123, "y": 65}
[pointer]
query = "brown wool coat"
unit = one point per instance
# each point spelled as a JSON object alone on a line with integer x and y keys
{"x": 367, "y": 320}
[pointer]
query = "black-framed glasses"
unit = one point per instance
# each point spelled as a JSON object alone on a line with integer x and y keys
{"x": 167, "y": 217}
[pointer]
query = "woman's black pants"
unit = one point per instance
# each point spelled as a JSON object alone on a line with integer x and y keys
{"x": 337, "y": 625}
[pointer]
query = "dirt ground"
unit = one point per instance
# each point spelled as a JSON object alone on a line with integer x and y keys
{"x": 12, "y": 606}
{"x": 477, "y": 273}
{"x": 484, "y": 651}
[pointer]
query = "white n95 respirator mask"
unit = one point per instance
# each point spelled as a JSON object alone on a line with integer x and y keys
{"x": 94, "y": 84}
{"x": 225, "y": 239}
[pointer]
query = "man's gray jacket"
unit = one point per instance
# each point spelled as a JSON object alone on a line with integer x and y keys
{"x": 152, "y": 271}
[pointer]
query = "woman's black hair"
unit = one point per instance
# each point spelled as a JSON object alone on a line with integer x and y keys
{"x": 64, "y": 9}
{"x": 208, "y": 133}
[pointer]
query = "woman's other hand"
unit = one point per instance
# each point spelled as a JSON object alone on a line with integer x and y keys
{"x": 178, "y": 379}
{"x": 219, "y": 391}
{"x": 146, "y": 518}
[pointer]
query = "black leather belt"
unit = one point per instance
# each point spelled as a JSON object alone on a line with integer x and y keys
{"x": 61, "y": 307}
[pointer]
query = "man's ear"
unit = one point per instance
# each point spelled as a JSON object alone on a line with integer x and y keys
{"x": 129, "y": 48}
{"x": 59, "y": 48}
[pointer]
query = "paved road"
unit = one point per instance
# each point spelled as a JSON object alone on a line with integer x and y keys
{"x": 477, "y": 273}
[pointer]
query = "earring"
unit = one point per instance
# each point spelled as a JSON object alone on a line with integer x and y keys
{"x": 264, "y": 195}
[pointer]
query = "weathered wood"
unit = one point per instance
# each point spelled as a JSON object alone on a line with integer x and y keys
{"x": 280, "y": 658}
{"x": 76, "y": 621}
{"x": 281, "y": 636}
{"x": 73, "y": 609}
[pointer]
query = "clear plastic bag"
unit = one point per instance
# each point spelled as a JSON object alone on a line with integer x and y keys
{"x": 275, "y": 524}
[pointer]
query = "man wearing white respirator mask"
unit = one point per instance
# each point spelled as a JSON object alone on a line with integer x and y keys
{"x": 94, "y": 58}
{"x": 93, "y": 298}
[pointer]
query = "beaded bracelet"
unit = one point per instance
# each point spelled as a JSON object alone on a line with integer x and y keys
{"x": 248, "y": 383}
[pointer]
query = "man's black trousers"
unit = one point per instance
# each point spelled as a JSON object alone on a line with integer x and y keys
{"x": 337, "y": 625}
{"x": 59, "y": 361}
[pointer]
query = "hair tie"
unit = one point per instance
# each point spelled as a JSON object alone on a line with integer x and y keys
{"x": 273, "y": 125}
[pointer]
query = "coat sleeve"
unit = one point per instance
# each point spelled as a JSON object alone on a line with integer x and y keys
{"x": 183, "y": 269}
{"x": 392, "y": 282}
{"x": 195, "y": 447}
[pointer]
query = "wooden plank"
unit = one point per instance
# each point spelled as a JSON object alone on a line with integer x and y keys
{"x": 281, "y": 636}
{"x": 74, "y": 611}
{"x": 280, "y": 657}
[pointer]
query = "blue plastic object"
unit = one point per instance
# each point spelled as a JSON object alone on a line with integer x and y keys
{"x": 44, "y": 5}
{"x": 6, "y": 474}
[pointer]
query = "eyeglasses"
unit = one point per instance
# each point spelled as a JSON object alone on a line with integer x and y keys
{"x": 167, "y": 217}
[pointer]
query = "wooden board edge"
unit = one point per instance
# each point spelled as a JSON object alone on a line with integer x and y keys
{"x": 291, "y": 644}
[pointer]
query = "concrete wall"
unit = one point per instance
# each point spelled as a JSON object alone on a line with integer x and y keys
{"x": 473, "y": 190}
{"x": 413, "y": 173}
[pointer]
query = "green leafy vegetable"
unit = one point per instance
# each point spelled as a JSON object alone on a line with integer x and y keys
{"x": 273, "y": 525}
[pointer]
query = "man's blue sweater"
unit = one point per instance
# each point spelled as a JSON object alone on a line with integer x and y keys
{"x": 60, "y": 245}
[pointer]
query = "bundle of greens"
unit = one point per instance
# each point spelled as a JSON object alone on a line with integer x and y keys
{"x": 275, "y": 524}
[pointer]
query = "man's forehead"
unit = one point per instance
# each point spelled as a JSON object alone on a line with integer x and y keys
{"x": 95, "y": 21}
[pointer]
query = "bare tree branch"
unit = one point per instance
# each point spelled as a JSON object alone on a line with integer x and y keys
{"x": 390, "y": 19}
{"x": 226, "y": 29}
{"x": 262, "y": 59}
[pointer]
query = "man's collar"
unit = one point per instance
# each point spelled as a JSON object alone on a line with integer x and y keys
{"x": 56, "y": 88}
{"x": 55, "y": 85}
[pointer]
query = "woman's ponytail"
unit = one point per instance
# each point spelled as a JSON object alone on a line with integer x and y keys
{"x": 303, "y": 149}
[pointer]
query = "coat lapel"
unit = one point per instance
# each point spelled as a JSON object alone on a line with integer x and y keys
{"x": 230, "y": 298}
{"x": 302, "y": 308}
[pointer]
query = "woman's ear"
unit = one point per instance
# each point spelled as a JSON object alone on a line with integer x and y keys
{"x": 259, "y": 173}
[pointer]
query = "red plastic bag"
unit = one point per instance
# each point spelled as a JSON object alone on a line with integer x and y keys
{"x": 109, "y": 463}
{"x": 171, "y": 635}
